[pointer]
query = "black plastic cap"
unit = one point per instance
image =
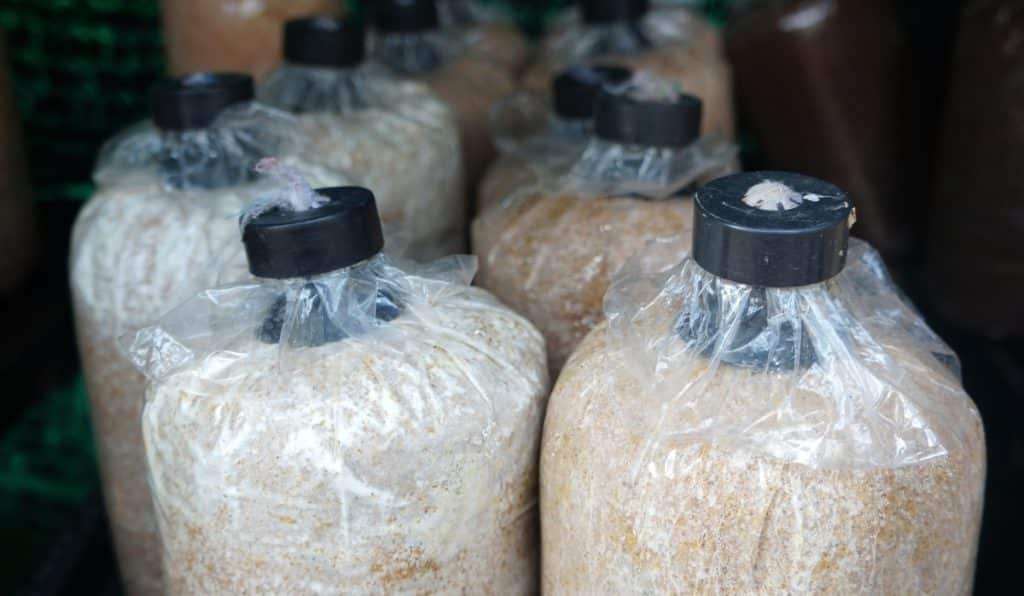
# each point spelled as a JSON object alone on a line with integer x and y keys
{"x": 324, "y": 41}
{"x": 403, "y": 16}
{"x": 576, "y": 89}
{"x": 195, "y": 100}
{"x": 624, "y": 119}
{"x": 791, "y": 231}
{"x": 346, "y": 230}
{"x": 612, "y": 11}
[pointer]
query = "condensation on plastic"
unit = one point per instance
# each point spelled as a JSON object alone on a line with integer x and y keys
{"x": 675, "y": 43}
{"x": 166, "y": 206}
{"x": 386, "y": 443}
{"x": 400, "y": 138}
{"x": 232, "y": 35}
{"x": 468, "y": 83}
{"x": 817, "y": 438}
{"x": 549, "y": 250}
{"x": 533, "y": 143}
{"x": 488, "y": 32}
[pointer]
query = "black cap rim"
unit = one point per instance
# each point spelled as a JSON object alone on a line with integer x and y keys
{"x": 792, "y": 232}
{"x": 575, "y": 90}
{"x": 404, "y": 16}
{"x": 195, "y": 100}
{"x": 346, "y": 230}
{"x": 324, "y": 41}
{"x": 622, "y": 118}
{"x": 612, "y": 11}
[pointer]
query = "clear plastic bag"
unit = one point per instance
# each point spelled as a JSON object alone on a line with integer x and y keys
{"x": 549, "y": 250}
{"x": 231, "y": 35}
{"x": 532, "y": 143}
{"x": 397, "y": 134}
{"x": 165, "y": 208}
{"x": 370, "y": 429}
{"x": 815, "y": 437}
{"x": 466, "y": 81}
{"x": 538, "y": 139}
{"x": 489, "y": 33}
{"x": 671, "y": 41}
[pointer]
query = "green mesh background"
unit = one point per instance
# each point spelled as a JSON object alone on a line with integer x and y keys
{"x": 47, "y": 471}
{"x": 81, "y": 68}
{"x": 81, "y": 71}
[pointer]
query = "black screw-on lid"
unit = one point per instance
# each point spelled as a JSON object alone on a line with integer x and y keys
{"x": 195, "y": 100}
{"x": 772, "y": 229}
{"x": 404, "y": 16}
{"x": 344, "y": 231}
{"x": 623, "y": 118}
{"x": 576, "y": 89}
{"x": 324, "y": 41}
{"x": 612, "y": 11}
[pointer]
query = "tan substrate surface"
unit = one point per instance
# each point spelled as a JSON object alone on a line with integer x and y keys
{"x": 362, "y": 466}
{"x": 697, "y": 73}
{"x": 687, "y": 516}
{"x": 551, "y": 257}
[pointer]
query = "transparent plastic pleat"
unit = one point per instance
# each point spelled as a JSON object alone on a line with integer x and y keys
{"x": 816, "y": 438}
{"x": 162, "y": 224}
{"x": 370, "y": 430}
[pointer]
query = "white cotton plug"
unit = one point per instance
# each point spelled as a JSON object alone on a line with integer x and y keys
{"x": 292, "y": 193}
{"x": 646, "y": 86}
{"x": 776, "y": 196}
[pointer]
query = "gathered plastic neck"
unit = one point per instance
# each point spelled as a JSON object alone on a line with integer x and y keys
{"x": 411, "y": 53}
{"x": 749, "y": 326}
{"x": 301, "y": 88}
{"x": 617, "y": 169}
{"x": 319, "y": 310}
{"x": 207, "y": 158}
{"x": 625, "y": 37}
{"x": 458, "y": 12}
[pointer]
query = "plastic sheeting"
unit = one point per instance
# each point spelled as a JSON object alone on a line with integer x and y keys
{"x": 369, "y": 430}
{"x": 161, "y": 225}
{"x": 399, "y": 137}
{"x": 817, "y": 439}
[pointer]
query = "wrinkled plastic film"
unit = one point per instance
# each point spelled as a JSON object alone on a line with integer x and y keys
{"x": 670, "y": 41}
{"x": 489, "y": 33}
{"x": 532, "y": 143}
{"x": 654, "y": 173}
{"x": 398, "y": 135}
{"x": 665, "y": 23}
{"x": 162, "y": 224}
{"x": 522, "y": 123}
{"x": 814, "y": 437}
{"x": 414, "y": 54}
{"x": 219, "y": 156}
{"x": 866, "y": 346}
{"x": 549, "y": 250}
{"x": 468, "y": 84}
{"x": 293, "y": 431}
{"x": 288, "y": 313}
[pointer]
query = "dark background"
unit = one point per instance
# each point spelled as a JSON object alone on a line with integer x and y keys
{"x": 81, "y": 68}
